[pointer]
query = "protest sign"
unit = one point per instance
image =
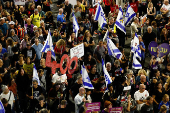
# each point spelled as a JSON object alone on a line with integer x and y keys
{"x": 163, "y": 49}
{"x": 19, "y": 2}
{"x": 55, "y": 65}
{"x": 115, "y": 110}
{"x": 153, "y": 48}
{"x": 77, "y": 51}
{"x": 95, "y": 106}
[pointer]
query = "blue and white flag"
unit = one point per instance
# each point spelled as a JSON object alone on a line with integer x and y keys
{"x": 106, "y": 35}
{"x": 99, "y": 16}
{"x": 75, "y": 25}
{"x": 35, "y": 75}
{"x": 135, "y": 47}
{"x": 120, "y": 21}
{"x": 48, "y": 46}
{"x": 107, "y": 77}
{"x": 2, "y": 110}
{"x": 136, "y": 64}
{"x": 130, "y": 14}
{"x": 113, "y": 50}
{"x": 86, "y": 80}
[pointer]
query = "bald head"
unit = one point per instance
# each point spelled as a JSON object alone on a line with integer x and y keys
{"x": 81, "y": 91}
{"x": 61, "y": 10}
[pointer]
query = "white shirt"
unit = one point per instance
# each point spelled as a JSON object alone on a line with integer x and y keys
{"x": 6, "y": 96}
{"x": 166, "y": 7}
{"x": 140, "y": 96}
{"x": 78, "y": 100}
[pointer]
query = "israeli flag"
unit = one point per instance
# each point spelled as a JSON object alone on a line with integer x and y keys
{"x": 86, "y": 80}
{"x": 75, "y": 25}
{"x": 2, "y": 110}
{"x": 136, "y": 64}
{"x": 108, "y": 79}
{"x": 113, "y": 50}
{"x": 106, "y": 35}
{"x": 35, "y": 75}
{"x": 135, "y": 47}
{"x": 120, "y": 22}
{"x": 99, "y": 16}
{"x": 48, "y": 46}
{"x": 130, "y": 14}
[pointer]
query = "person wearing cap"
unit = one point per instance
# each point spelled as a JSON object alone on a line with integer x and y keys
{"x": 4, "y": 27}
{"x": 36, "y": 18}
{"x": 148, "y": 106}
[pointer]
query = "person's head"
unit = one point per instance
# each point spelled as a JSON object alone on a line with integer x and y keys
{"x": 81, "y": 91}
{"x": 55, "y": 32}
{"x": 166, "y": 2}
{"x": 10, "y": 42}
{"x": 2, "y": 20}
{"x": 41, "y": 99}
{"x": 35, "y": 83}
{"x": 110, "y": 87}
{"x": 36, "y": 41}
{"x": 164, "y": 31}
{"x": 5, "y": 89}
{"x": 11, "y": 24}
{"x": 150, "y": 4}
{"x": 108, "y": 66}
{"x": 101, "y": 80}
{"x": 93, "y": 69}
{"x": 165, "y": 98}
{"x": 88, "y": 92}
{"x": 111, "y": 19}
{"x": 100, "y": 43}
{"x": 140, "y": 38}
{"x": 42, "y": 62}
{"x": 163, "y": 109}
{"x": 156, "y": 73}
{"x": 73, "y": 35}
{"x": 35, "y": 11}
{"x": 22, "y": 8}
{"x": 149, "y": 100}
{"x": 64, "y": 103}
{"x": 4, "y": 102}
{"x": 12, "y": 32}
{"x": 39, "y": 8}
{"x": 87, "y": 34}
{"x": 158, "y": 16}
{"x": 129, "y": 73}
{"x": 61, "y": 11}
{"x": 154, "y": 24}
{"x": 136, "y": 20}
{"x": 158, "y": 85}
{"x": 28, "y": 20}
{"x": 76, "y": 8}
{"x": 60, "y": 43}
{"x": 28, "y": 60}
{"x": 142, "y": 72}
{"x": 143, "y": 78}
{"x": 44, "y": 110}
{"x": 116, "y": 63}
{"x": 5, "y": 56}
{"x": 40, "y": 72}
{"x": 21, "y": 71}
{"x": 107, "y": 104}
{"x": 149, "y": 29}
{"x": 79, "y": 79}
{"x": 142, "y": 88}
{"x": 168, "y": 66}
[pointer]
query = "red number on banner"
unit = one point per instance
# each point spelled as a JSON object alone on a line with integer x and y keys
{"x": 54, "y": 64}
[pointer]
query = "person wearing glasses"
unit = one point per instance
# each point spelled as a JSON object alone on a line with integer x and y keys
{"x": 140, "y": 96}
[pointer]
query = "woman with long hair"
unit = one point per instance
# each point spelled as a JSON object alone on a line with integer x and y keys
{"x": 164, "y": 35}
{"x": 24, "y": 42}
{"x": 10, "y": 45}
{"x": 20, "y": 62}
{"x": 165, "y": 101}
{"x": 151, "y": 11}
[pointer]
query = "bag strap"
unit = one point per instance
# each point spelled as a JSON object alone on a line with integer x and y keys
{"x": 9, "y": 96}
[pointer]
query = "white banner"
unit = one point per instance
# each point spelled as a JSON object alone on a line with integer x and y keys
{"x": 19, "y": 2}
{"x": 77, "y": 51}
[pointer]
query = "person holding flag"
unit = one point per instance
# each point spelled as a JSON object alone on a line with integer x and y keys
{"x": 35, "y": 91}
{"x": 100, "y": 16}
{"x": 48, "y": 46}
{"x": 121, "y": 28}
{"x": 130, "y": 14}
{"x": 75, "y": 25}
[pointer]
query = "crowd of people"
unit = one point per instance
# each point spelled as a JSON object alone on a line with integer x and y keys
{"x": 24, "y": 30}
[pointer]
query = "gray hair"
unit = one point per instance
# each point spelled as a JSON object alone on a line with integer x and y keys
{"x": 108, "y": 63}
{"x": 149, "y": 27}
{"x": 35, "y": 10}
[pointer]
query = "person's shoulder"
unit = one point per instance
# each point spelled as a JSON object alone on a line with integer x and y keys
{"x": 137, "y": 92}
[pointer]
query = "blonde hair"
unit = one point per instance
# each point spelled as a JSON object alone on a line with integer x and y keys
{"x": 142, "y": 71}
{"x": 163, "y": 108}
{"x": 168, "y": 81}
{"x": 164, "y": 97}
{"x": 60, "y": 43}
{"x": 163, "y": 30}
{"x": 86, "y": 33}
{"x": 149, "y": 4}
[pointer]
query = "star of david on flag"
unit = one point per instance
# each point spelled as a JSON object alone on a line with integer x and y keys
{"x": 130, "y": 14}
